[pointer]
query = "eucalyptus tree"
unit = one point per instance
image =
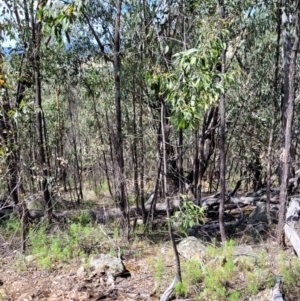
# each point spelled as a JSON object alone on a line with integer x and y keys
{"x": 100, "y": 17}
{"x": 289, "y": 114}
{"x": 24, "y": 28}
{"x": 222, "y": 135}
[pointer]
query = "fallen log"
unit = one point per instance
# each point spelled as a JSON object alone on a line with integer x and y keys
{"x": 276, "y": 294}
{"x": 292, "y": 217}
{"x": 100, "y": 215}
{"x": 210, "y": 202}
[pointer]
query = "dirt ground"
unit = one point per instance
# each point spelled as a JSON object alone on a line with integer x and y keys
{"x": 22, "y": 280}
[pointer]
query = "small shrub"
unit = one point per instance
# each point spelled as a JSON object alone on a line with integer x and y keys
{"x": 189, "y": 215}
{"x": 83, "y": 218}
{"x": 11, "y": 225}
{"x": 252, "y": 283}
{"x": 192, "y": 271}
{"x": 102, "y": 189}
{"x": 218, "y": 272}
{"x": 181, "y": 289}
{"x": 234, "y": 296}
{"x": 158, "y": 266}
{"x": 3, "y": 293}
{"x": 290, "y": 273}
{"x": 75, "y": 241}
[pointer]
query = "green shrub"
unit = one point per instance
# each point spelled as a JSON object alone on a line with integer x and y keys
{"x": 11, "y": 225}
{"x": 290, "y": 273}
{"x": 75, "y": 241}
{"x": 189, "y": 215}
{"x": 181, "y": 289}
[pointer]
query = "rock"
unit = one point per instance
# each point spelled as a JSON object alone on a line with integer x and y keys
{"x": 243, "y": 251}
{"x": 107, "y": 264}
{"x": 81, "y": 273}
{"x": 258, "y": 214}
{"x": 191, "y": 247}
{"x": 31, "y": 258}
{"x": 35, "y": 201}
{"x": 24, "y": 297}
{"x": 218, "y": 260}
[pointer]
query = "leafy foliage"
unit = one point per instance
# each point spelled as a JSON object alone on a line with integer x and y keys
{"x": 189, "y": 215}
{"x": 196, "y": 82}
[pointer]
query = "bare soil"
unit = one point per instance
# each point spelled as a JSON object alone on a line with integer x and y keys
{"x": 21, "y": 280}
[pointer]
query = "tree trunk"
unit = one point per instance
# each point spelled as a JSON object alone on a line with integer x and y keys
{"x": 164, "y": 153}
{"x": 196, "y": 164}
{"x": 275, "y": 108}
{"x": 180, "y": 161}
{"x": 135, "y": 153}
{"x": 289, "y": 113}
{"x": 121, "y": 191}
{"x": 222, "y": 143}
{"x": 40, "y": 126}
{"x": 141, "y": 163}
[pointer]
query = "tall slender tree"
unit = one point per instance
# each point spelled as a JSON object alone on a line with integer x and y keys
{"x": 289, "y": 114}
{"x": 222, "y": 139}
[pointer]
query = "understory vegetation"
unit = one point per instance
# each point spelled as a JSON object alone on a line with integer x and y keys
{"x": 214, "y": 274}
{"x": 129, "y": 123}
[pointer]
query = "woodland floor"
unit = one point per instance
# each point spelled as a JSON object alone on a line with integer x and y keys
{"x": 23, "y": 281}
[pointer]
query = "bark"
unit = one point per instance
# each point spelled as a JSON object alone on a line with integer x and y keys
{"x": 135, "y": 153}
{"x": 164, "y": 153}
{"x": 122, "y": 200}
{"x": 275, "y": 108}
{"x": 102, "y": 143}
{"x": 76, "y": 144}
{"x": 196, "y": 162}
{"x": 61, "y": 162}
{"x": 24, "y": 217}
{"x": 201, "y": 159}
{"x": 165, "y": 296}
{"x": 289, "y": 228}
{"x": 180, "y": 161}
{"x": 286, "y": 60}
{"x": 141, "y": 163}
{"x": 289, "y": 113}
{"x": 222, "y": 143}
{"x": 40, "y": 125}
{"x": 111, "y": 150}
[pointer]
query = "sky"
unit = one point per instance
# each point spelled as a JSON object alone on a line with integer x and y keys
{"x": 3, "y": 13}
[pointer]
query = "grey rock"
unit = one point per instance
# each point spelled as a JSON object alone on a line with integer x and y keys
{"x": 243, "y": 251}
{"x": 191, "y": 247}
{"x": 107, "y": 264}
{"x": 258, "y": 214}
{"x": 81, "y": 273}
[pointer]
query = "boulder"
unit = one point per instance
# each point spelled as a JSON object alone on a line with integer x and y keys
{"x": 107, "y": 264}
{"x": 191, "y": 247}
